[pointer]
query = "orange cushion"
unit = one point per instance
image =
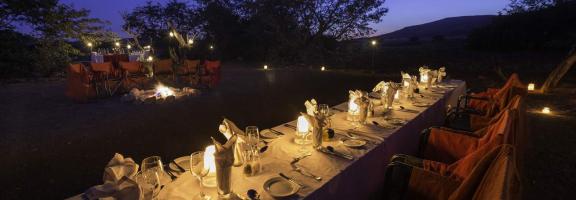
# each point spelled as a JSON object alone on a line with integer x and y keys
{"x": 102, "y": 67}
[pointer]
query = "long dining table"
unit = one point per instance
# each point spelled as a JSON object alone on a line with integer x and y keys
{"x": 360, "y": 178}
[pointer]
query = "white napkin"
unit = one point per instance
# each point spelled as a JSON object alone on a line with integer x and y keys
{"x": 311, "y": 107}
{"x": 118, "y": 182}
{"x": 388, "y": 97}
{"x": 224, "y": 159}
{"x": 380, "y": 87}
{"x": 441, "y": 74}
{"x": 432, "y": 77}
{"x": 229, "y": 129}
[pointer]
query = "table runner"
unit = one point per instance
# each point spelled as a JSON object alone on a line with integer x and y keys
{"x": 342, "y": 179}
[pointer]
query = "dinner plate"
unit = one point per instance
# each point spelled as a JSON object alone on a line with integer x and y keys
{"x": 267, "y": 133}
{"x": 279, "y": 187}
{"x": 353, "y": 143}
{"x": 183, "y": 161}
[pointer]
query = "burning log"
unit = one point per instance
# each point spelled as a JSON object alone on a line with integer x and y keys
{"x": 159, "y": 95}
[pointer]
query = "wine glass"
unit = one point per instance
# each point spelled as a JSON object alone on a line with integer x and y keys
{"x": 252, "y": 137}
{"x": 324, "y": 112}
{"x": 150, "y": 175}
{"x": 199, "y": 171}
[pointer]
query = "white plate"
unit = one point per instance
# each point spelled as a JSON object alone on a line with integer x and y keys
{"x": 279, "y": 187}
{"x": 267, "y": 133}
{"x": 353, "y": 143}
{"x": 183, "y": 161}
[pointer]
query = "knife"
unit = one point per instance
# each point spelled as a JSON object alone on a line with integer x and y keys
{"x": 290, "y": 126}
{"x": 335, "y": 153}
{"x": 178, "y": 166}
{"x": 289, "y": 179}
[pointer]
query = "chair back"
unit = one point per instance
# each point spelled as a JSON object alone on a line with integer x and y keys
{"x": 493, "y": 177}
{"x": 502, "y": 125}
{"x": 76, "y": 68}
{"x": 213, "y": 67}
{"x": 131, "y": 67}
{"x": 163, "y": 66}
{"x": 191, "y": 65}
{"x": 105, "y": 67}
{"x": 512, "y": 88}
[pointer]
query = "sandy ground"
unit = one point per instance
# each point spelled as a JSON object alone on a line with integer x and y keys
{"x": 52, "y": 148}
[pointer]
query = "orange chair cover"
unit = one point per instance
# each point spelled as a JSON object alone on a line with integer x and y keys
{"x": 477, "y": 183}
{"x": 447, "y": 146}
{"x": 497, "y": 100}
{"x": 163, "y": 66}
{"x": 213, "y": 72}
{"x": 106, "y": 68}
{"x": 78, "y": 83}
{"x": 131, "y": 67}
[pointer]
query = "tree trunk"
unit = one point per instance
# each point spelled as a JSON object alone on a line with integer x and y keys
{"x": 561, "y": 70}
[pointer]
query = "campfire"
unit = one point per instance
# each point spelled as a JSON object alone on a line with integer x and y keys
{"x": 159, "y": 94}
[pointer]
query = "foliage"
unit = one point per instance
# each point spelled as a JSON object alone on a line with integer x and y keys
{"x": 53, "y": 26}
{"x": 552, "y": 28}
{"x": 264, "y": 30}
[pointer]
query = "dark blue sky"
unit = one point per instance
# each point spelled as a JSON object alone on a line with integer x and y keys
{"x": 402, "y": 12}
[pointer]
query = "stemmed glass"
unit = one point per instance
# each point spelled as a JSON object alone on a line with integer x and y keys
{"x": 324, "y": 112}
{"x": 252, "y": 137}
{"x": 199, "y": 171}
{"x": 152, "y": 171}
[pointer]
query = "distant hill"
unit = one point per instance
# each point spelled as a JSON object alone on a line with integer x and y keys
{"x": 447, "y": 27}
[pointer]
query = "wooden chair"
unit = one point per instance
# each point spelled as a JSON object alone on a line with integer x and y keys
{"x": 134, "y": 75}
{"x": 212, "y": 76}
{"x": 190, "y": 71}
{"x": 104, "y": 73}
{"x": 492, "y": 176}
{"x": 79, "y": 84}
{"x": 164, "y": 67}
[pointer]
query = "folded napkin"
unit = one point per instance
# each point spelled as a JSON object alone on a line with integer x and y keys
{"x": 432, "y": 77}
{"x": 229, "y": 129}
{"x": 311, "y": 107}
{"x": 441, "y": 74}
{"x": 118, "y": 181}
{"x": 224, "y": 160}
{"x": 380, "y": 87}
{"x": 388, "y": 95}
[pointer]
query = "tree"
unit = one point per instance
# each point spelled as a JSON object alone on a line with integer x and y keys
{"x": 54, "y": 26}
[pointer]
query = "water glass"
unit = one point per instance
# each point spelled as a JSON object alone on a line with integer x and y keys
{"x": 150, "y": 176}
{"x": 199, "y": 171}
{"x": 252, "y": 137}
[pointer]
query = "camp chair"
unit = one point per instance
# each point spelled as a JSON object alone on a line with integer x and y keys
{"x": 489, "y": 174}
{"x": 134, "y": 75}
{"x": 490, "y": 101}
{"x": 447, "y": 145}
{"x": 212, "y": 75}
{"x": 474, "y": 121}
{"x": 163, "y": 67}
{"x": 79, "y": 85}
{"x": 104, "y": 73}
{"x": 190, "y": 70}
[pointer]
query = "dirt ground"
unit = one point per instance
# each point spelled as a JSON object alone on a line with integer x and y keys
{"x": 52, "y": 148}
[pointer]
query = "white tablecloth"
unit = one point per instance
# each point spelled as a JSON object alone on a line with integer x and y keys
{"x": 342, "y": 179}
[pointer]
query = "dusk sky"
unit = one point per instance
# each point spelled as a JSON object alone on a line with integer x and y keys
{"x": 402, "y": 12}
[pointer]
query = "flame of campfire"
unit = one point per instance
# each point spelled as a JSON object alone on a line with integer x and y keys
{"x": 163, "y": 91}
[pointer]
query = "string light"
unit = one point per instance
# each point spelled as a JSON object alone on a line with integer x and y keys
{"x": 265, "y": 67}
{"x": 190, "y": 41}
{"x": 171, "y": 34}
{"x": 128, "y": 46}
{"x": 323, "y": 68}
{"x": 117, "y": 44}
{"x": 89, "y": 44}
{"x": 373, "y": 42}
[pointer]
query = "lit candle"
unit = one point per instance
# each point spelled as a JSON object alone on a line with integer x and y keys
{"x": 190, "y": 41}
{"x": 302, "y": 125}
{"x": 171, "y": 34}
{"x": 209, "y": 161}
{"x": 531, "y": 87}
{"x": 423, "y": 77}
{"x": 150, "y": 58}
{"x": 546, "y": 110}
{"x": 397, "y": 95}
{"x": 406, "y": 82}
{"x": 323, "y": 68}
{"x": 265, "y": 66}
{"x": 353, "y": 108}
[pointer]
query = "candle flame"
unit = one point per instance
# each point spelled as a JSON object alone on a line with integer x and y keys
{"x": 265, "y": 66}
{"x": 323, "y": 68}
{"x": 531, "y": 87}
{"x": 546, "y": 110}
{"x": 163, "y": 91}
{"x": 302, "y": 125}
{"x": 209, "y": 161}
